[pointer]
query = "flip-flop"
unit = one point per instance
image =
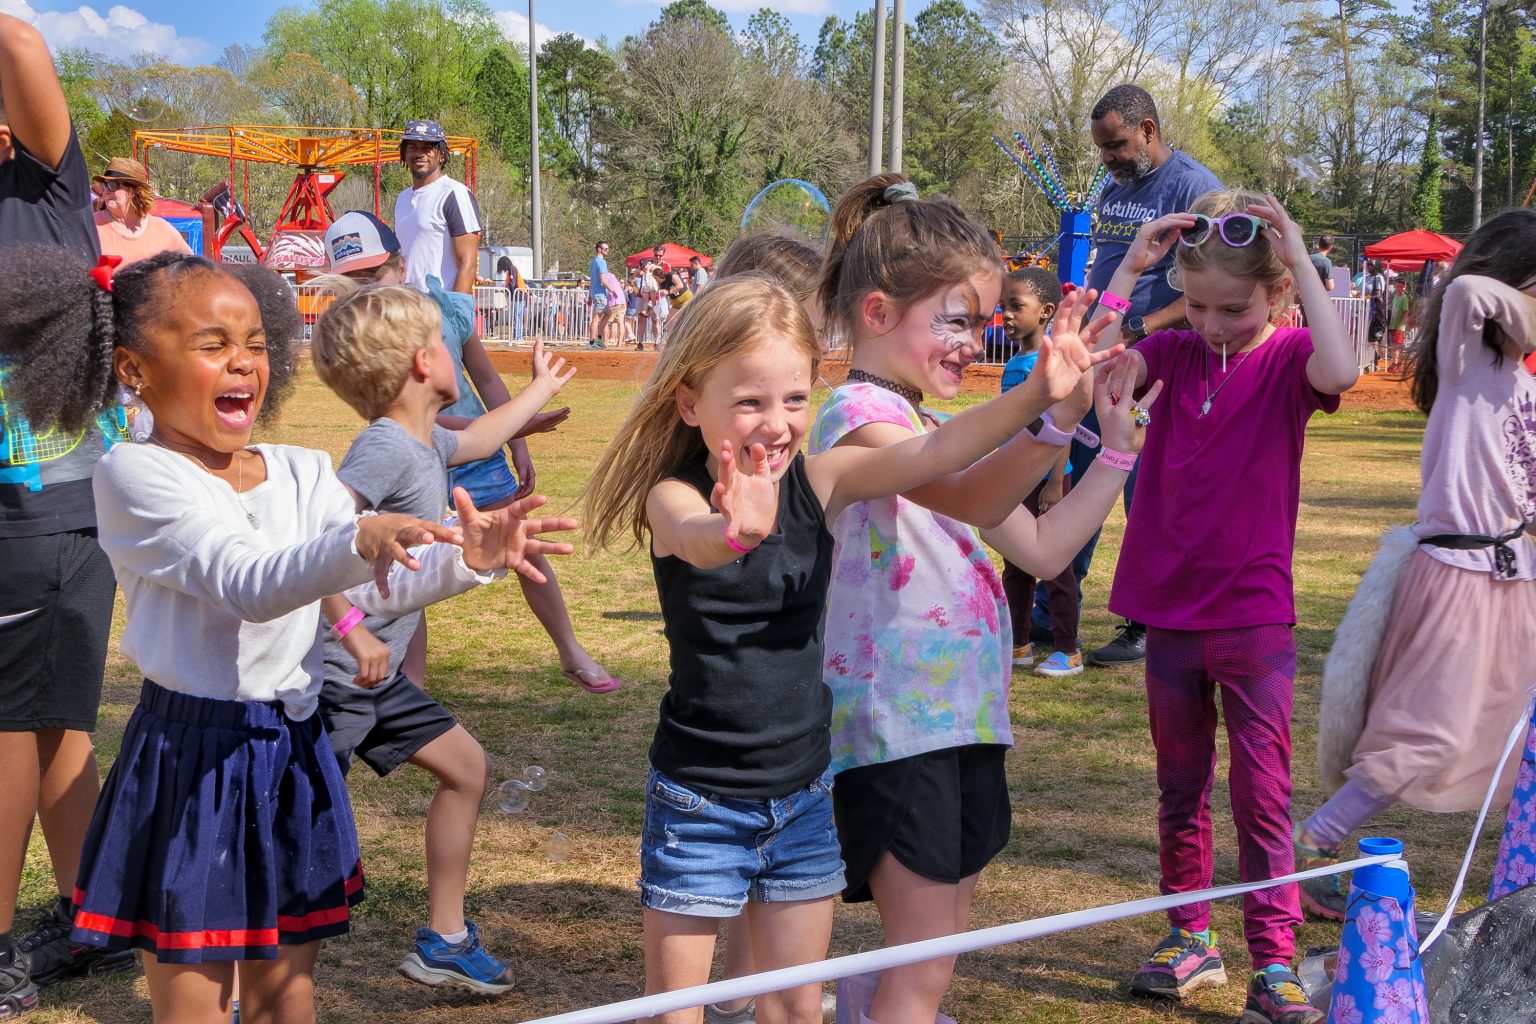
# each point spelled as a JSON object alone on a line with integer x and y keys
{"x": 579, "y": 677}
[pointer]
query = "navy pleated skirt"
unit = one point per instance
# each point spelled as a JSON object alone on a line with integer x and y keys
{"x": 223, "y": 831}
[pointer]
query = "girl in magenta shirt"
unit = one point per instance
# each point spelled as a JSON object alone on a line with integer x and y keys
{"x": 1206, "y": 563}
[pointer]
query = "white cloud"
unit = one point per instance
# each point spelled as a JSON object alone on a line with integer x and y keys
{"x": 514, "y": 25}
{"x": 121, "y": 32}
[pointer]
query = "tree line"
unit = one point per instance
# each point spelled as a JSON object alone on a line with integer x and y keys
{"x": 1361, "y": 118}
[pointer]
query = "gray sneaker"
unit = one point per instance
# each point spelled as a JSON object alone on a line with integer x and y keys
{"x": 746, "y": 1015}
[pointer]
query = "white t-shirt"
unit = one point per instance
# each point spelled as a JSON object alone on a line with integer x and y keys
{"x": 427, "y": 220}
{"x": 219, "y": 608}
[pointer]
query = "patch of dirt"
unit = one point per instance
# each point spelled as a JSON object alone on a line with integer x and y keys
{"x": 1375, "y": 392}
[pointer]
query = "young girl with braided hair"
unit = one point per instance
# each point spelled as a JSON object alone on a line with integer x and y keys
{"x": 223, "y": 833}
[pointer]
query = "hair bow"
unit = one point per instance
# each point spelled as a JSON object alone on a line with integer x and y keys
{"x": 101, "y": 273}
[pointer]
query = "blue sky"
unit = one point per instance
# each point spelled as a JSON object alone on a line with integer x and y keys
{"x": 183, "y": 30}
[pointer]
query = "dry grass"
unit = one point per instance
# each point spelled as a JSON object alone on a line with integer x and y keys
{"x": 1081, "y": 775}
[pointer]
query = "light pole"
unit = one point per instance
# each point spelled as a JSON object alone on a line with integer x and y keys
{"x": 1482, "y": 89}
{"x": 533, "y": 136}
{"x": 877, "y": 89}
{"x": 898, "y": 83}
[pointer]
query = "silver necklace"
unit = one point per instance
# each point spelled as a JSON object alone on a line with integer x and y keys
{"x": 1210, "y": 396}
{"x": 250, "y": 516}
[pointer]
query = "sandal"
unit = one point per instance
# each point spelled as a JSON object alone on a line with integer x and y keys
{"x": 589, "y": 681}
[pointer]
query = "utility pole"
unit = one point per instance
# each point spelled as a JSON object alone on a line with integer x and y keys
{"x": 533, "y": 135}
{"x": 898, "y": 81}
{"x": 877, "y": 89}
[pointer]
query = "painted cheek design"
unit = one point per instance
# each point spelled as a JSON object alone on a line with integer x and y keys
{"x": 952, "y": 329}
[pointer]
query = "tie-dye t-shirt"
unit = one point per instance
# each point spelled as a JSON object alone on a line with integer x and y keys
{"x": 918, "y": 645}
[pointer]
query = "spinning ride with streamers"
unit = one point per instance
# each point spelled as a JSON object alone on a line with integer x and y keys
{"x": 1076, "y": 208}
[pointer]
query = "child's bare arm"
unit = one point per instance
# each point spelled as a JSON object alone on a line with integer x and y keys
{"x": 485, "y": 434}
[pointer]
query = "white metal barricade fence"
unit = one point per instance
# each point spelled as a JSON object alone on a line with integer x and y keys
{"x": 501, "y": 314}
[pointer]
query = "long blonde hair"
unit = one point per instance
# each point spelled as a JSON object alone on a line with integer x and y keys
{"x": 726, "y": 319}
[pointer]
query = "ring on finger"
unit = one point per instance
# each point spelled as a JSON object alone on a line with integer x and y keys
{"x": 1140, "y": 416}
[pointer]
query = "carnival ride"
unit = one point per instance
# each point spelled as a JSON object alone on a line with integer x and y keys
{"x": 1072, "y": 240}
{"x": 319, "y": 155}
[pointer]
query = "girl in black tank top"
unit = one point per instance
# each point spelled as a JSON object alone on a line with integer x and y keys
{"x": 742, "y": 563}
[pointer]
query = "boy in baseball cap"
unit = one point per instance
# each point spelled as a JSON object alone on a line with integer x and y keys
{"x": 358, "y": 242}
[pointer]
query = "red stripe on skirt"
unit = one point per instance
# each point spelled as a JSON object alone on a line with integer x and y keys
{"x": 227, "y": 938}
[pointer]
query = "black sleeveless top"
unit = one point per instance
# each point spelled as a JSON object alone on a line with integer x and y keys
{"x": 746, "y": 713}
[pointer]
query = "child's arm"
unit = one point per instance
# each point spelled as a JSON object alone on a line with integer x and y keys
{"x": 848, "y": 474}
{"x": 1043, "y": 547}
{"x": 34, "y": 100}
{"x": 986, "y": 493}
{"x": 685, "y": 525}
{"x": 485, "y": 434}
{"x": 1050, "y": 494}
{"x": 1331, "y": 368}
{"x": 149, "y": 528}
{"x": 370, "y": 653}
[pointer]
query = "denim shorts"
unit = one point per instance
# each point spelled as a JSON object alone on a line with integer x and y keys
{"x": 487, "y": 481}
{"x": 705, "y": 855}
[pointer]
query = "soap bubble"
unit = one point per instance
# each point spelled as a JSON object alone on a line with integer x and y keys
{"x": 512, "y": 796}
{"x": 557, "y": 847}
{"x": 535, "y": 778}
{"x": 147, "y": 107}
{"x": 790, "y": 206}
{"x": 1175, "y": 276}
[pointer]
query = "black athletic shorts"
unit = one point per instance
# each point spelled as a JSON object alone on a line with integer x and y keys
{"x": 384, "y": 725}
{"x": 943, "y": 815}
{"x": 55, "y": 616}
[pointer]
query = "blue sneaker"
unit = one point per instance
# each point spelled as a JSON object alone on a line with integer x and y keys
{"x": 462, "y": 965}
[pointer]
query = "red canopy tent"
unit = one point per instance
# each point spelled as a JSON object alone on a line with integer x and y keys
{"x": 1409, "y": 250}
{"x": 676, "y": 256}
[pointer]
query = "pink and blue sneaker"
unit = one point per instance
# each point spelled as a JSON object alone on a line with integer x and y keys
{"x": 1183, "y": 963}
{"x": 1277, "y": 996}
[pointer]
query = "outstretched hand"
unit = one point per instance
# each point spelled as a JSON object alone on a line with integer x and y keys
{"x": 506, "y": 538}
{"x": 1067, "y": 352}
{"x": 1116, "y": 405}
{"x": 747, "y": 499}
{"x": 547, "y": 371}
{"x": 388, "y": 538}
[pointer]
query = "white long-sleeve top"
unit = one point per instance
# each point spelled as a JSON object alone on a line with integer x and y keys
{"x": 218, "y": 608}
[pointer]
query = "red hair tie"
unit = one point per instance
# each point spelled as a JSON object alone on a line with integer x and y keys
{"x": 101, "y": 273}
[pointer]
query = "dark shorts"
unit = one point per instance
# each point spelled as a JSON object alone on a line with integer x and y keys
{"x": 55, "y": 614}
{"x": 384, "y": 726}
{"x": 943, "y": 815}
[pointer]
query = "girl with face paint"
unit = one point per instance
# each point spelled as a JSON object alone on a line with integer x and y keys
{"x": 918, "y": 649}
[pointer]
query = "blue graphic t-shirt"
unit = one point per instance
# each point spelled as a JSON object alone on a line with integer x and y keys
{"x": 1123, "y": 209}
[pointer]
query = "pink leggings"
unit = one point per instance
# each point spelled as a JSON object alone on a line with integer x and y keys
{"x": 1255, "y": 669}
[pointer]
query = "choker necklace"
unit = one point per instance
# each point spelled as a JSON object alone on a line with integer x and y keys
{"x": 250, "y": 516}
{"x": 912, "y": 395}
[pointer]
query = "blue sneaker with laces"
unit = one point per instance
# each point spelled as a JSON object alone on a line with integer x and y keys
{"x": 462, "y": 964}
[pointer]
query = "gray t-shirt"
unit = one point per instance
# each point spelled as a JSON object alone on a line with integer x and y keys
{"x": 1324, "y": 268}
{"x": 392, "y": 472}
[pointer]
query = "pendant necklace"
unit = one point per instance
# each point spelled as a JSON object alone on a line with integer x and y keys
{"x": 250, "y": 516}
{"x": 1210, "y": 396}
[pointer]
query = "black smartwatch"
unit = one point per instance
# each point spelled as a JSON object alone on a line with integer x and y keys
{"x": 1137, "y": 327}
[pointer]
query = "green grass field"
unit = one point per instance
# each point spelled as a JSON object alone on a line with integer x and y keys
{"x": 1084, "y": 805}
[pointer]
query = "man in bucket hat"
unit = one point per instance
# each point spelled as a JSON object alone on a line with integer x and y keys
{"x": 437, "y": 218}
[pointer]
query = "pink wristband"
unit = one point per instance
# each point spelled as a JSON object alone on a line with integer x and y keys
{"x": 1050, "y": 433}
{"x": 1117, "y": 460}
{"x": 735, "y": 545}
{"x": 345, "y": 624}
{"x": 1115, "y": 302}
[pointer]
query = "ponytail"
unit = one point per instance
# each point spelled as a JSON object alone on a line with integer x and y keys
{"x": 885, "y": 238}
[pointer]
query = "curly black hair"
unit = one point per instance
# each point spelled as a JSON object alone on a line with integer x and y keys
{"x": 1038, "y": 280}
{"x": 58, "y": 330}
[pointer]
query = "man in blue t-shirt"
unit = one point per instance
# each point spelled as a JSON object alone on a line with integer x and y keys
{"x": 1148, "y": 178}
{"x": 601, "y": 311}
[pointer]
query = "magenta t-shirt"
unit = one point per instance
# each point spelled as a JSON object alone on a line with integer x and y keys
{"x": 1212, "y": 525}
